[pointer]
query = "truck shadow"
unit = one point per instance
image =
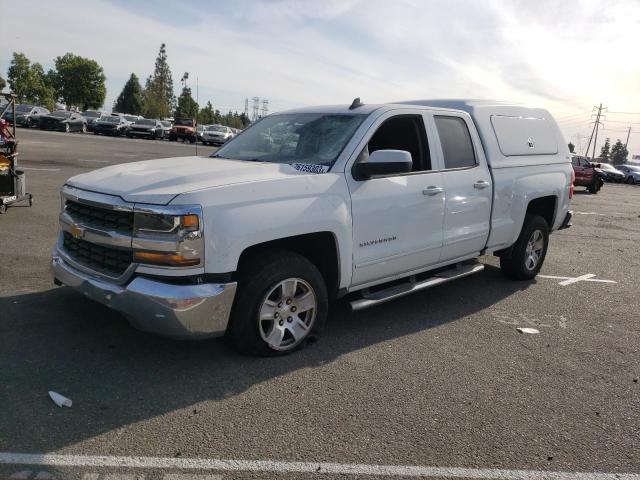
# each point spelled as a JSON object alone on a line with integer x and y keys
{"x": 117, "y": 376}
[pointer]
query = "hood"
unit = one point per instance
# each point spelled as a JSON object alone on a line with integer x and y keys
{"x": 143, "y": 127}
{"x": 53, "y": 119}
{"x": 160, "y": 181}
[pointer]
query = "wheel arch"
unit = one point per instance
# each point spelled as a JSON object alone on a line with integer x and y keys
{"x": 320, "y": 248}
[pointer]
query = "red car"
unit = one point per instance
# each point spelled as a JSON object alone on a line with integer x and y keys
{"x": 586, "y": 174}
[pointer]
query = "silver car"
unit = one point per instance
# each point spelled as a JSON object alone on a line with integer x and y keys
{"x": 216, "y": 134}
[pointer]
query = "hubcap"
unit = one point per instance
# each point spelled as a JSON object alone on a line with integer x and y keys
{"x": 287, "y": 314}
{"x": 535, "y": 245}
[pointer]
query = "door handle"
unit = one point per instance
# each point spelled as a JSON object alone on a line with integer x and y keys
{"x": 481, "y": 184}
{"x": 432, "y": 190}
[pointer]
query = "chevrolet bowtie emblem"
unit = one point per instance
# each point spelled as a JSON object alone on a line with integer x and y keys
{"x": 76, "y": 231}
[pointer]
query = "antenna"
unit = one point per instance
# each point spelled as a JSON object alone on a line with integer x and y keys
{"x": 356, "y": 103}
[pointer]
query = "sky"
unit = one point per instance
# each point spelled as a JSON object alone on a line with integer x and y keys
{"x": 566, "y": 56}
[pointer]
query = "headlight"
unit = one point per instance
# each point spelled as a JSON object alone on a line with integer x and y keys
{"x": 168, "y": 236}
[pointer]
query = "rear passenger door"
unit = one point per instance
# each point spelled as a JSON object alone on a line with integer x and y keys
{"x": 467, "y": 186}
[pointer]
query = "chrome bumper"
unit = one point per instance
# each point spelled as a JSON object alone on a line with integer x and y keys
{"x": 176, "y": 311}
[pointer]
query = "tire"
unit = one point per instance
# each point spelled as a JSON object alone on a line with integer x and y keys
{"x": 67, "y": 129}
{"x": 29, "y": 123}
{"x": 520, "y": 265}
{"x": 594, "y": 187}
{"x": 3, "y": 209}
{"x": 262, "y": 287}
{"x": 84, "y": 128}
{"x": 630, "y": 181}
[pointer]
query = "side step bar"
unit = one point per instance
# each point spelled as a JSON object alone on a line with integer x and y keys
{"x": 381, "y": 296}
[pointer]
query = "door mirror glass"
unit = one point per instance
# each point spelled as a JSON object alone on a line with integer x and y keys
{"x": 384, "y": 162}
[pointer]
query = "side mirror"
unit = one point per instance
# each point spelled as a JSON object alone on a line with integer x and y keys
{"x": 384, "y": 162}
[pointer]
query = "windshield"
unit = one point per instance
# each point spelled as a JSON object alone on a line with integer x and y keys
{"x": 311, "y": 138}
{"x": 606, "y": 166}
{"x": 110, "y": 119}
{"x": 633, "y": 168}
{"x": 166, "y": 124}
{"x": 61, "y": 114}
{"x": 23, "y": 108}
{"x": 131, "y": 118}
{"x": 145, "y": 122}
{"x": 90, "y": 114}
{"x": 184, "y": 121}
{"x": 216, "y": 128}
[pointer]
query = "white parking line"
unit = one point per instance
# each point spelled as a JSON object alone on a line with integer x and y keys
{"x": 93, "y": 161}
{"x": 41, "y": 169}
{"x": 274, "y": 466}
{"x": 582, "y": 278}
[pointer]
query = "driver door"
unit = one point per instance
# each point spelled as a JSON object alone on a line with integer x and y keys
{"x": 397, "y": 219}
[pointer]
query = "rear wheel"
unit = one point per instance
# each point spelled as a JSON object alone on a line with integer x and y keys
{"x": 84, "y": 128}
{"x": 594, "y": 187}
{"x": 281, "y": 304}
{"x": 529, "y": 251}
{"x": 29, "y": 122}
{"x": 630, "y": 181}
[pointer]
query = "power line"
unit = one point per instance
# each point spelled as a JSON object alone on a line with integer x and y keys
{"x": 627, "y": 113}
{"x": 622, "y": 121}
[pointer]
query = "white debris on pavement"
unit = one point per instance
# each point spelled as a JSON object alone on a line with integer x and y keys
{"x": 531, "y": 331}
{"x": 60, "y": 400}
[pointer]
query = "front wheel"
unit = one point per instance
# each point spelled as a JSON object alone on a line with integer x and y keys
{"x": 67, "y": 129}
{"x": 529, "y": 251}
{"x": 84, "y": 128}
{"x": 29, "y": 123}
{"x": 630, "y": 181}
{"x": 281, "y": 304}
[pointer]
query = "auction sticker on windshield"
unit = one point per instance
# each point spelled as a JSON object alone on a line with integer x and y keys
{"x": 310, "y": 168}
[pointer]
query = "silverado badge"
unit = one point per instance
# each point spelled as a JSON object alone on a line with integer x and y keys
{"x": 76, "y": 231}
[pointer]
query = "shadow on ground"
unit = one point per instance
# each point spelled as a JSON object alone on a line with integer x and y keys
{"x": 57, "y": 339}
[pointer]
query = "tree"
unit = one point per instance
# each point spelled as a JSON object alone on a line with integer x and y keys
{"x": 206, "y": 115}
{"x": 3, "y": 83}
{"x": 605, "y": 150}
{"x": 29, "y": 82}
{"x": 80, "y": 81}
{"x": 159, "y": 97}
{"x": 187, "y": 106}
{"x": 619, "y": 153}
{"x": 130, "y": 99}
{"x": 18, "y": 75}
{"x": 571, "y": 147}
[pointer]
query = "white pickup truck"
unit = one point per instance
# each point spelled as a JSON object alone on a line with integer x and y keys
{"x": 373, "y": 201}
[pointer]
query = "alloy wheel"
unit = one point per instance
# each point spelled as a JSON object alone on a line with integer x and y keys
{"x": 535, "y": 247}
{"x": 287, "y": 314}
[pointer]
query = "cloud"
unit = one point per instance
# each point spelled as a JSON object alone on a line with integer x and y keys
{"x": 561, "y": 55}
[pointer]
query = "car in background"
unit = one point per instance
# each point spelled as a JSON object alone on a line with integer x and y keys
{"x": 132, "y": 118}
{"x": 146, "y": 128}
{"x": 26, "y": 115}
{"x": 92, "y": 116}
{"x": 199, "y": 131}
{"x": 166, "y": 127}
{"x": 63, "y": 121}
{"x": 586, "y": 174}
{"x": 183, "y": 129}
{"x": 111, "y": 125}
{"x": 609, "y": 173}
{"x": 217, "y": 135}
{"x": 631, "y": 173}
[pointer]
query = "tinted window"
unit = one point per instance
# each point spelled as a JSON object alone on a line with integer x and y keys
{"x": 457, "y": 147}
{"x": 575, "y": 161}
{"x": 404, "y": 132}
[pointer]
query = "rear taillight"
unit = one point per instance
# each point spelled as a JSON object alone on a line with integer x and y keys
{"x": 573, "y": 178}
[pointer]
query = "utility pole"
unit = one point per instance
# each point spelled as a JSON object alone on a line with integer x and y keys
{"x": 265, "y": 107}
{"x": 246, "y": 107}
{"x": 627, "y": 140}
{"x": 594, "y": 132}
{"x": 256, "y": 107}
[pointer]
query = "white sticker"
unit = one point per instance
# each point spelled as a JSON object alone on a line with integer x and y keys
{"x": 310, "y": 168}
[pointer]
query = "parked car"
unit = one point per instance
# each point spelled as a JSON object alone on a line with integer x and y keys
{"x": 586, "y": 174}
{"x": 183, "y": 129}
{"x": 26, "y": 115}
{"x": 166, "y": 128}
{"x": 111, "y": 125}
{"x": 378, "y": 201}
{"x": 199, "y": 131}
{"x": 217, "y": 135}
{"x": 610, "y": 173}
{"x": 92, "y": 116}
{"x": 631, "y": 173}
{"x": 146, "y": 128}
{"x": 64, "y": 121}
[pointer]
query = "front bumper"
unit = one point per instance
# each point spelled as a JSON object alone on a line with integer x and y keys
{"x": 171, "y": 310}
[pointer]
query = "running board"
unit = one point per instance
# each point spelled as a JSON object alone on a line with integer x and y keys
{"x": 376, "y": 298}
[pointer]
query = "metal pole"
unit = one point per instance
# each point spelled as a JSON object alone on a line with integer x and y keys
{"x": 627, "y": 141}
{"x": 586, "y": 153}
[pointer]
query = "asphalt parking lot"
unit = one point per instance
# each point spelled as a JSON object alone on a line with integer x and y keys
{"x": 441, "y": 380}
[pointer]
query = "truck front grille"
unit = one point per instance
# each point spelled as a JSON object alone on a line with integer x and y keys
{"x": 106, "y": 260}
{"x": 101, "y": 218}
